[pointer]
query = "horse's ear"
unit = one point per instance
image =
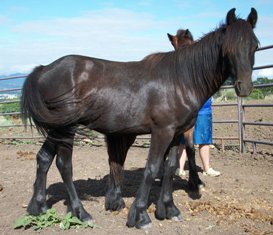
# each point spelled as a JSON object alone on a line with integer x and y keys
{"x": 188, "y": 34}
{"x": 252, "y": 17}
{"x": 173, "y": 40}
{"x": 170, "y": 37}
{"x": 231, "y": 17}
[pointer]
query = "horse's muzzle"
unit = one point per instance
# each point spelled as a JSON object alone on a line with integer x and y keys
{"x": 243, "y": 89}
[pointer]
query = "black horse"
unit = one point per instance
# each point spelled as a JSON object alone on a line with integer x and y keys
{"x": 160, "y": 94}
{"x": 118, "y": 146}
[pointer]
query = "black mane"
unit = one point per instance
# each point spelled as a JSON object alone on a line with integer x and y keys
{"x": 197, "y": 65}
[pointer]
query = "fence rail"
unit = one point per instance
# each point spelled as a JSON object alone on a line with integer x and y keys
{"x": 243, "y": 123}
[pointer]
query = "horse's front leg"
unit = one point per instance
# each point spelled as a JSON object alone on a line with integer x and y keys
{"x": 165, "y": 208}
{"x": 45, "y": 156}
{"x": 138, "y": 216}
{"x": 64, "y": 164}
{"x": 117, "y": 146}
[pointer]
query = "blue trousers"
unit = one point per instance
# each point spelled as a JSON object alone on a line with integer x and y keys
{"x": 202, "y": 133}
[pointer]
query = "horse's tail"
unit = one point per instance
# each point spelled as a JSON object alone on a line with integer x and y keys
{"x": 31, "y": 101}
{"x": 35, "y": 109}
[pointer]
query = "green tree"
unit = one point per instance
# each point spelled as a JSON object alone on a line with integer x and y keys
{"x": 256, "y": 94}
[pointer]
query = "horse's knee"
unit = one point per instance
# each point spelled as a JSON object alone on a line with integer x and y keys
{"x": 63, "y": 164}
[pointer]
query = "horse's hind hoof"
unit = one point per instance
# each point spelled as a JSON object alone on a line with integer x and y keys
{"x": 116, "y": 205}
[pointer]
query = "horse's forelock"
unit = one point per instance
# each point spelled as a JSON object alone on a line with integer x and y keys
{"x": 237, "y": 36}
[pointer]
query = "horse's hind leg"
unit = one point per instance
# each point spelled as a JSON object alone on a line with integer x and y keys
{"x": 64, "y": 164}
{"x": 165, "y": 208}
{"x": 194, "y": 181}
{"x": 117, "y": 146}
{"x": 45, "y": 156}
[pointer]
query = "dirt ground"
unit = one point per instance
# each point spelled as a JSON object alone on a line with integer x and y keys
{"x": 240, "y": 201}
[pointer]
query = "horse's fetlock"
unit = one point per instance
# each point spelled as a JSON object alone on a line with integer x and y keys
{"x": 167, "y": 199}
{"x": 40, "y": 198}
{"x": 140, "y": 206}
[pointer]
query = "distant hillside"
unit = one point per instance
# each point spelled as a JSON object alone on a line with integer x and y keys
{"x": 11, "y": 83}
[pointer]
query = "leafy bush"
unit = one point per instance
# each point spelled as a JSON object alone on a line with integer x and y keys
{"x": 231, "y": 95}
{"x": 260, "y": 93}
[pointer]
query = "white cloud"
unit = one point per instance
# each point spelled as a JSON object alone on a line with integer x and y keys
{"x": 114, "y": 34}
{"x": 101, "y": 21}
{"x": 263, "y": 73}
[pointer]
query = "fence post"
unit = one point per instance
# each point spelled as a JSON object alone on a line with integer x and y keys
{"x": 240, "y": 122}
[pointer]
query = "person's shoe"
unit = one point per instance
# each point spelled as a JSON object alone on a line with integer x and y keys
{"x": 180, "y": 172}
{"x": 212, "y": 172}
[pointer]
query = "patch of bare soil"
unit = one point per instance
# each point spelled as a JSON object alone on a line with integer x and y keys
{"x": 240, "y": 201}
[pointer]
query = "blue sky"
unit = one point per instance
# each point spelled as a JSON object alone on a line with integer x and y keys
{"x": 38, "y": 32}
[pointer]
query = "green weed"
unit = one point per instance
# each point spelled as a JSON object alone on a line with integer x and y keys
{"x": 48, "y": 219}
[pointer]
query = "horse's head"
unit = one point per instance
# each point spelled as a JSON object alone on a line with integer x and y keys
{"x": 182, "y": 38}
{"x": 239, "y": 48}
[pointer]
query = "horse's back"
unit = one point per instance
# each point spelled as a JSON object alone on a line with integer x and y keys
{"x": 111, "y": 97}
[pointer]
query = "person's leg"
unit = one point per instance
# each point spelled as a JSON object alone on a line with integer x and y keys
{"x": 182, "y": 155}
{"x": 204, "y": 152}
{"x": 204, "y": 155}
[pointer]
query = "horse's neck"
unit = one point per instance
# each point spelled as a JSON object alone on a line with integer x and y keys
{"x": 206, "y": 75}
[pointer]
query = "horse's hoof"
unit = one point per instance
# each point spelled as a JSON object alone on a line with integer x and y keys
{"x": 145, "y": 227}
{"x": 177, "y": 218}
{"x": 201, "y": 188}
{"x": 90, "y": 222}
{"x": 115, "y": 206}
{"x": 35, "y": 208}
{"x": 138, "y": 217}
{"x": 195, "y": 194}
